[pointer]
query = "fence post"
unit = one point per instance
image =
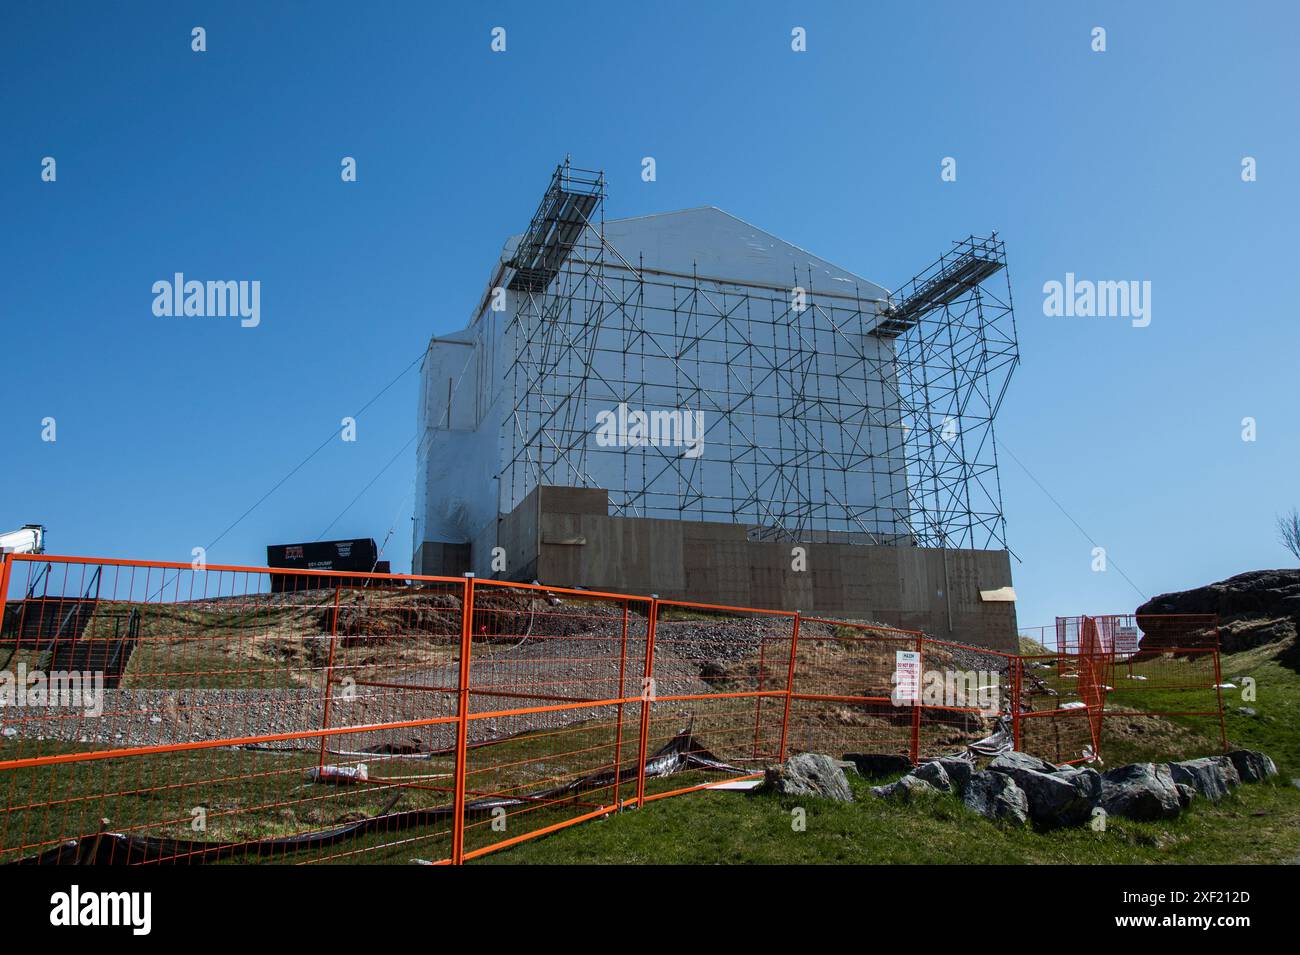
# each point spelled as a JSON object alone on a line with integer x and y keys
{"x": 1218, "y": 691}
{"x": 789, "y": 689}
{"x": 758, "y": 701}
{"x": 1017, "y": 685}
{"x": 462, "y": 722}
{"x": 329, "y": 675}
{"x": 5, "y": 563}
{"x": 618, "y": 736}
{"x": 916, "y": 702}
{"x": 647, "y": 694}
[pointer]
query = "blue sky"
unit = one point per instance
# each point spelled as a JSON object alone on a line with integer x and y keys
{"x": 1117, "y": 165}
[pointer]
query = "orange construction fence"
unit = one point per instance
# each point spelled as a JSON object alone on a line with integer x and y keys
{"x": 169, "y": 712}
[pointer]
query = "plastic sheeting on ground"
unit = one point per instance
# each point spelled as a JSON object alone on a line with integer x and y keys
{"x": 681, "y": 753}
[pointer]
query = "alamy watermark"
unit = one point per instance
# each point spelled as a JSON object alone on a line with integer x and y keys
{"x": 1084, "y": 298}
{"x": 211, "y": 299}
{"x": 678, "y": 428}
{"x": 64, "y": 689}
{"x": 961, "y": 689}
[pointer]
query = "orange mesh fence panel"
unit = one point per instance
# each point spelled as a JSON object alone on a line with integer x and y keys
{"x": 1164, "y": 695}
{"x": 721, "y": 677}
{"x": 555, "y": 682}
{"x": 174, "y": 714}
{"x": 843, "y": 694}
{"x": 1147, "y": 687}
{"x": 967, "y": 695}
{"x": 1062, "y": 696}
{"x": 1052, "y": 717}
{"x": 1058, "y": 736}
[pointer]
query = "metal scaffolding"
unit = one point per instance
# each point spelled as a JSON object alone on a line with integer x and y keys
{"x": 829, "y": 414}
{"x": 955, "y": 337}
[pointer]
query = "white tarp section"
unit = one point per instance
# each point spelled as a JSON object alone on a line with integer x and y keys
{"x": 757, "y": 448}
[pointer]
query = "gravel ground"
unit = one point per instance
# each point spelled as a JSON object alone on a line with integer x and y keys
{"x": 533, "y": 674}
{"x": 573, "y": 651}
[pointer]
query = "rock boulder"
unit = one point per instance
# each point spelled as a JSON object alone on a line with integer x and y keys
{"x": 1209, "y": 775}
{"x": 1252, "y": 766}
{"x": 1143, "y": 791}
{"x": 959, "y": 771}
{"x": 1056, "y": 799}
{"x": 1009, "y": 762}
{"x": 808, "y": 774}
{"x": 906, "y": 789}
{"x": 934, "y": 774}
{"x": 996, "y": 796}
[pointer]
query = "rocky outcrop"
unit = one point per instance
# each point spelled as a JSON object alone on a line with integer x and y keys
{"x": 808, "y": 774}
{"x": 1142, "y": 791}
{"x": 1254, "y": 608}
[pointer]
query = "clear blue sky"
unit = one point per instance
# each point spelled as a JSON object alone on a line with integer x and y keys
{"x": 1117, "y": 165}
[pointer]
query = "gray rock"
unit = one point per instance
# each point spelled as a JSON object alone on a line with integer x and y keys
{"x": 1085, "y": 779}
{"x": 906, "y": 789}
{"x": 1246, "y": 710}
{"x": 996, "y": 796}
{"x": 1057, "y": 799}
{"x": 1186, "y": 794}
{"x": 1229, "y": 770}
{"x": 934, "y": 774}
{"x": 1207, "y": 775}
{"x": 875, "y": 765}
{"x": 1013, "y": 761}
{"x": 1142, "y": 791}
{"x": 1252, "y": 766}
{"x": 959, "y": 771}
{"x": 808, "y": 774}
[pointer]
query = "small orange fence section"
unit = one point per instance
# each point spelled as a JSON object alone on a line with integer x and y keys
{"x": 172, "y": 713}
{"x": 1135, "y": 671}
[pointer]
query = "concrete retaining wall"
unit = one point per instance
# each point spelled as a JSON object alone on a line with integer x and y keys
{"x": 565, "y": 537}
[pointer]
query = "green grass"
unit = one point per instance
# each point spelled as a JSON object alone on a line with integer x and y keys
{"x": 250, "y": 795}
{"x": 1274, "y": 729}
{"x": 1259, "y": 824}
{"x": 245, "y": 795}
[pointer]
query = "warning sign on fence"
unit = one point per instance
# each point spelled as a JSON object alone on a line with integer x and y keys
{"x": 907, "y": 676}
{"x": 1126, "y": 640}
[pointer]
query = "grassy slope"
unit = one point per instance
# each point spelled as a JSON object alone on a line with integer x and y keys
{"x": 1259, "y": 824}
